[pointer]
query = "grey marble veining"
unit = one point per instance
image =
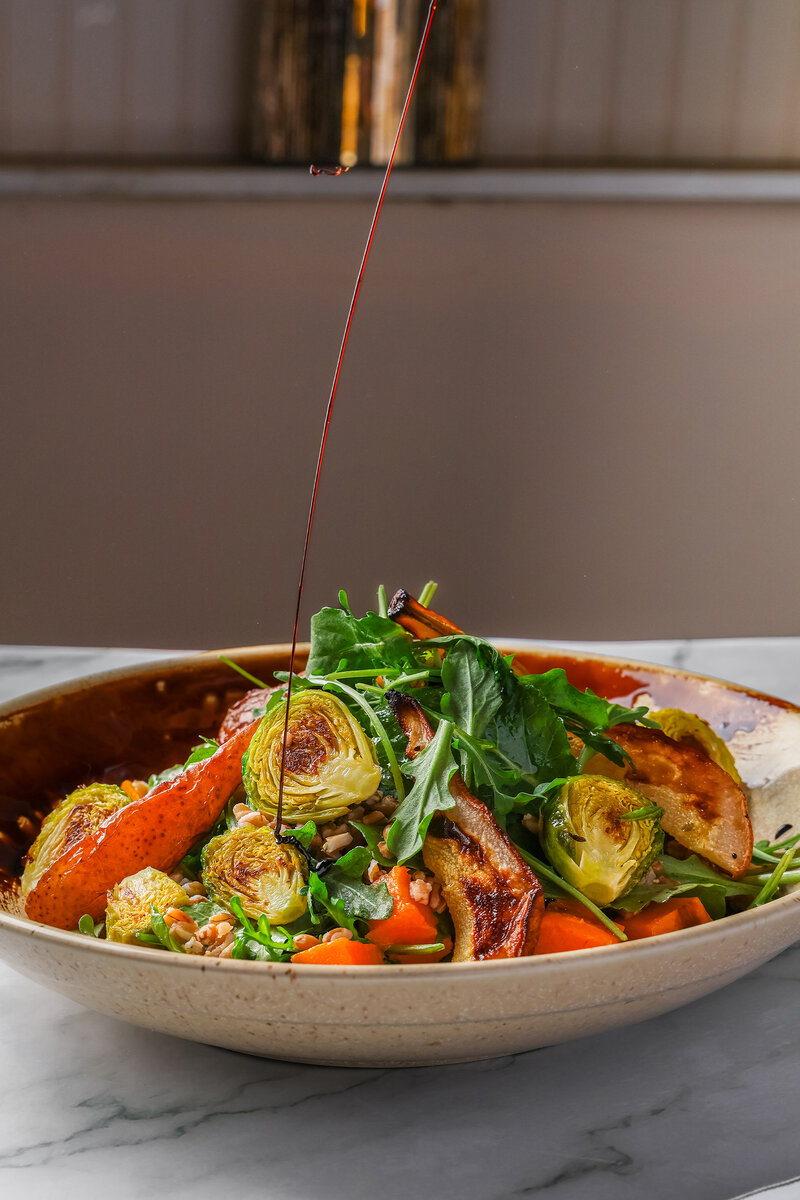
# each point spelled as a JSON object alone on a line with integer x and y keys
{"x": 702, "y": 1103}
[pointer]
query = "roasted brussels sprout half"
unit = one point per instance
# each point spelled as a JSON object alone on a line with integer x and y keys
{"x": 78, "y": 814}
{"x": 594, "y": 840}
{"x": 687, "y": 727}
{"x": 131, "y": 901}
{"x": 266, "y": 876}
{"x": 330, "y": 762}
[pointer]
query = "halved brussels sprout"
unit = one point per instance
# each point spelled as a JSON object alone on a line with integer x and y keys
{"x": 266, "y": 876}
{"x": 330, "y": 762}
{"x": 688, "y": 727}
{"x": 78, "y": 814}
{"x": 130, "y": 901}
{"x": 593, "y": 841}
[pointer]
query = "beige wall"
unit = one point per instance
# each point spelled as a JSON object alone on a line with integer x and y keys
{"x": 582, "y": 419}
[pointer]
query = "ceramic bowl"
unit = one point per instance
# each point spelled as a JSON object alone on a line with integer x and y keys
{"x": 144, "y": 718}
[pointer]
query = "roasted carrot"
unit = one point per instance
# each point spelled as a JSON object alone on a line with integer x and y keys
{"x": 343, "y": 952}
{"x": 155, "y": 831}
{"x": 681, "y": 912}
{"x": 561, "y": 931}
{"x": 130, "y": 790}
{"x": 411, "y": 923}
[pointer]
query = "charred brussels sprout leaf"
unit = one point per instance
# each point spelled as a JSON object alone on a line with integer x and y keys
{"x": 79, "y": 814}
{"x": 131, "y": 903}
{"x": 330, "y": 762}
{"x": 591, "y": 840}
{"x": 248, "y": 864}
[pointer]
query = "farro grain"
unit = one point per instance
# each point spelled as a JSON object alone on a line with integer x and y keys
{"x": 338, "y": 842}
{"x": 333, "y": 935}
{"x": 304, "y": 941}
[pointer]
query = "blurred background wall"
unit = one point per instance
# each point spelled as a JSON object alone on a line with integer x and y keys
{"x": 580, "y": 416}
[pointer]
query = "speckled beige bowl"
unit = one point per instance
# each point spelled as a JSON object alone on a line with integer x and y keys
{"x": 144, "y": 718}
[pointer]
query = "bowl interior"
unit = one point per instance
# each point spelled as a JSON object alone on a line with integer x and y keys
{"x": 139, "y": 720}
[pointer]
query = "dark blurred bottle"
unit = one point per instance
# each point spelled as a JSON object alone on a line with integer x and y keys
{"x": 332, "y": 76}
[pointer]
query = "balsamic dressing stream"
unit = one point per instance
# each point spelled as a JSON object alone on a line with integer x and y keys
{"x": 328, "y": 412}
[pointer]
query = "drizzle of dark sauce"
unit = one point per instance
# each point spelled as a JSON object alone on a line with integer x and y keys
{"x": 329, "y": 410}
{"x": 312, "y": 170}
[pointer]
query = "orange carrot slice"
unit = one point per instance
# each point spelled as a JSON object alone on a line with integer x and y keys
{"x": 343, "y": 952}
{"x": 562, "y": 931}
{"x": 667, "y": 916}
{"x": 411, "y": 923}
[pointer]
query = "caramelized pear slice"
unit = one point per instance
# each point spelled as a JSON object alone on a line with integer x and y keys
{"x": 495, "y": 900}
{"x": 705, "y": 810}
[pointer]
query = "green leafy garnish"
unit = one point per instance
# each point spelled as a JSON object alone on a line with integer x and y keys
{"x": 161, "y": 931}
{"x": 340, "y": 640}
{"x": 645, "y": 813}
{"x": 373, "y": 836}
{"x": 433, "y": 768}
{"x": 688, "y": 876}
{"x": 341, "y": 892}
{"x": 89, "y": 926}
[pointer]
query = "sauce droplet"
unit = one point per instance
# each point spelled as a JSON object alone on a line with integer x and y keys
{"x": 337, "y": 372}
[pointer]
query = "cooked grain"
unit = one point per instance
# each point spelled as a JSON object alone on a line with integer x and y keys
{"x": 333, "y": 845}
{"x": 333, "y": 935}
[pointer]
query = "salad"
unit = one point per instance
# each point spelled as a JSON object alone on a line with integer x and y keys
{"x": 437, "y": 803}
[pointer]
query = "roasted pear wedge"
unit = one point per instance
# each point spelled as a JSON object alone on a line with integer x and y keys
{"x": 684, "y": 726}
{"x": 495, "y": 900}
{"x": 250, "y": 707}
{"x": 705, "y": 809}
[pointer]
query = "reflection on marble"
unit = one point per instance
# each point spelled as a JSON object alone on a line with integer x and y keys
{"x": 701, "y": 1103}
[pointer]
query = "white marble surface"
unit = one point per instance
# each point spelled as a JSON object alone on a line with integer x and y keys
{"x": 702, "y": 1104}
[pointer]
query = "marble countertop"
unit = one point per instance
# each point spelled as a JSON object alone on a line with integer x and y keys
{"x": 702, "y": 1103}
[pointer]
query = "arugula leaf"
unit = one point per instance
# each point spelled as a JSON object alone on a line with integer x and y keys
{"x": 488, "y": 701}
{"x": 688, "y": 876}
{"x": 546, "y": 738}
{"x": 433, "y": 768}
{"x": 161, "y": 930}
{"x": 474, "y": 693}
{"x": 585, "y": 714}
{"x": 203, "y": 910}
{"x": 199, "y": 753}
{"x": 305, "y": 834}
{"x": 259, "y": 941}
{"x": 371, "y": 641}
{"x": 245, "y": 946}
{"x": 586, "y": 707}
{"x": 373, "y": 836}
{"x": 341, "y": 890}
